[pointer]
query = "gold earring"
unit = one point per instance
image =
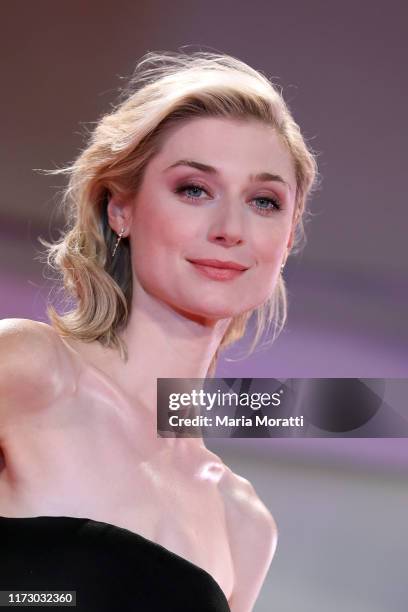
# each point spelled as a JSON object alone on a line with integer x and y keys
{"x": 118, "y": 240}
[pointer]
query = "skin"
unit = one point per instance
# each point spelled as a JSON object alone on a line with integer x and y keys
{"x": 173, "y": 306}
{"x": 95, "y": 411}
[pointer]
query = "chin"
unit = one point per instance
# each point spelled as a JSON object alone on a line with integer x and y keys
{"x": 216, "y": 311}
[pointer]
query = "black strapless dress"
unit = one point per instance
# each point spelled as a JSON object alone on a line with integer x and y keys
{"x": 111, "y": 568}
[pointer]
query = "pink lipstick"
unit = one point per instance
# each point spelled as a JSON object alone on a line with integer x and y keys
{"x": 217, "y": 269}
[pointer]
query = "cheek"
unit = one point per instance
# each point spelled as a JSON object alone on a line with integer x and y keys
{"x": 269, "y": 248}
{"x": 269, "y": 251}
{"x": 158, "y": 232}
{"x": 165, "y": 231}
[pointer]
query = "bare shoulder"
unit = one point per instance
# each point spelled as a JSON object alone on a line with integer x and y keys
{"x": 33, "y": 366}
{"x": 242, "y": 501}
{"x": 253, "y": 537}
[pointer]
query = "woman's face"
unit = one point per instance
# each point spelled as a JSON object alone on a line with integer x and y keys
{"x": 213, "y": 207}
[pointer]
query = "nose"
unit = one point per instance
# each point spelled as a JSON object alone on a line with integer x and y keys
{"x": 227, "y": 224}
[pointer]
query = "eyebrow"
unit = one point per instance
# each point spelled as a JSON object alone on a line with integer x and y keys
{"x": 261, "y": 176}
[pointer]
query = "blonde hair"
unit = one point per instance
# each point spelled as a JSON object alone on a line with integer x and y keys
{"x": 166, "y": 88}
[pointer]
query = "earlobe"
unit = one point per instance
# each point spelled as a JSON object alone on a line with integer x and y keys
{"x": 119, "y": 215}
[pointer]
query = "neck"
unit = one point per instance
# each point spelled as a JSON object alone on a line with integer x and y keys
{"x": 164, "y": 343}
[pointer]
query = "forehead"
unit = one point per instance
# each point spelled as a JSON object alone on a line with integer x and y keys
{"x": 248, "y": 146}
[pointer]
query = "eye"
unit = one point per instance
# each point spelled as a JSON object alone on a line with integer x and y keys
{"x": 268, "y": 205}
{"x": 192, "y": 187}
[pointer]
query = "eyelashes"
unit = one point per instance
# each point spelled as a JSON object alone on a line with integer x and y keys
{"x": 272, "y": 204}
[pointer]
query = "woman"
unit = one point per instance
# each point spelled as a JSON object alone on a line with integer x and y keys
{"x": 198, "y": 169}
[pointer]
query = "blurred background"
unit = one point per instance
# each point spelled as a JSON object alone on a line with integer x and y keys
{"x": 340, "y": 505}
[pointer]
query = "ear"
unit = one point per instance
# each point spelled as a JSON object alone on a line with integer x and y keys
{"x": 119, "y": 215}
{"x": 295, "y": 220}
{"x": 291, "y": 238}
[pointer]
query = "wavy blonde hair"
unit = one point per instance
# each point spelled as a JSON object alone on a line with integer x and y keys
{"x": 166, "y": 88}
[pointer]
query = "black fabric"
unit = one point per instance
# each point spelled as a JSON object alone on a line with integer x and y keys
{"x": 111, "y": 569}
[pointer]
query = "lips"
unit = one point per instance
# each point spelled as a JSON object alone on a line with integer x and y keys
{"x": 216, "y": 263}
